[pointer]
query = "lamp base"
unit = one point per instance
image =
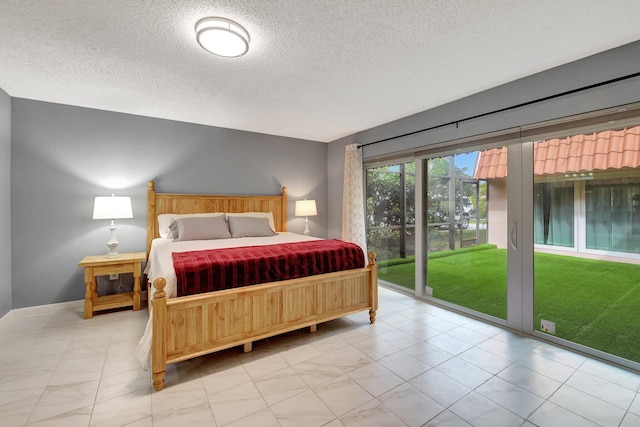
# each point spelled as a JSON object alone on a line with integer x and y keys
{"x": 306, "y": 225}
{"x": 112, "y": 244}
{"x": 113, "y": 249}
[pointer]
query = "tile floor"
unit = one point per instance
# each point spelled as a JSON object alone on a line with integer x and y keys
{"x": 418, "y": 365}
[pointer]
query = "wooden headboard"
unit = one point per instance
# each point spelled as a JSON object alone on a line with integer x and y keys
{"x": 163, "y": 203}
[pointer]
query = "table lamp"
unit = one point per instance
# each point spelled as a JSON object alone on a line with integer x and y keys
{"x": 306, "y": 208}
{"x": 112, "y": 208}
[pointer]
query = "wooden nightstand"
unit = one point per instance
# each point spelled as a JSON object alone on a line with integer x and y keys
{"x": 101, "y": 265}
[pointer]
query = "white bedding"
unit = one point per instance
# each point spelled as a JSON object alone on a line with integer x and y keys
{"x": 160, "y": 264}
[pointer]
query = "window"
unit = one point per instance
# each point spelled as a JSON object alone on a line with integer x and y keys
{"x": 613, "y": 216}
{"x": 553, "y": 213}
{"x": 390, "y": 221}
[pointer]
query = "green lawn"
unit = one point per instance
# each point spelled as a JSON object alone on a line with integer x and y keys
{"x": 595, "y": 303}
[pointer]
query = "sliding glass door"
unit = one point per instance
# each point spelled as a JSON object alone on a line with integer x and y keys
{"x": 587, "y": 241}
{"x": 464, "y": 261}
{"x": 542, "y": 237}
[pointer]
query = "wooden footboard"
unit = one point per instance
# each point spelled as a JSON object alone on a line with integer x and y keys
{"x": 191, "y": 326}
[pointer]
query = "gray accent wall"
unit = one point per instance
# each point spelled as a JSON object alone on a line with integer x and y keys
{"x": 5, "y": 203}
{"x": 63, "y": 156}
{"x": 608, "y": 65}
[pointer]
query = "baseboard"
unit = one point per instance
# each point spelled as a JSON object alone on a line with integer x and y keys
{"x": 7, "y": 316}
{"x": 27, "y": 311}
{"x": 36, "y": 309}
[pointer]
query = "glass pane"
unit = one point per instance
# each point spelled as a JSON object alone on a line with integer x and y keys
{"x": 587, "y": 287}
{"x": 613, "y": 215}
{"x": 553, "y": 213}
{"x": 465, "y": 217}
{"x": 391, "y": 222}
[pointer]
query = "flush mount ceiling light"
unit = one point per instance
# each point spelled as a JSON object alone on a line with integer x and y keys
{"x": 222, "y": 37}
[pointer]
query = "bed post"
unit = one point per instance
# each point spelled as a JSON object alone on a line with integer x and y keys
{"x": 374, "y": 286}
{"x": 151, "y": 214}
{"x": 159, "y": 337}
{"x": 283, "y": 209}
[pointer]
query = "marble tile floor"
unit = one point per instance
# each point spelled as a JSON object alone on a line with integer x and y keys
{"x": 418, "y": 365}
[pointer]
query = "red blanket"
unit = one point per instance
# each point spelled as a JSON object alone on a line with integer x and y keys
{"x": 216, "y": 269}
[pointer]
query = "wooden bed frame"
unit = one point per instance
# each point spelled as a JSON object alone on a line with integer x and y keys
{"x": 195, "y": 325}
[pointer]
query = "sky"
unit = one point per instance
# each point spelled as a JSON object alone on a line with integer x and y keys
{"x": 467, "y": 160}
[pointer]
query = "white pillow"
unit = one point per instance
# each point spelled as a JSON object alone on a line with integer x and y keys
{"x": 268, "y": 215}
{"x": 165, "y": 219}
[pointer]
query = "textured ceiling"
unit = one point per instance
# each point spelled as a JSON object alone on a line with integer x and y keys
{"x": 316, "y": 70}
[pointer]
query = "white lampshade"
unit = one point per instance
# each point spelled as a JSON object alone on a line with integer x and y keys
{"x": 222, "y": 37}
{"x": 306, "y": 208}
{"x": 112, "y": 208}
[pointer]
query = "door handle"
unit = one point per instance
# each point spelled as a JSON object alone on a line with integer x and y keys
{"x": 513, "y": 235}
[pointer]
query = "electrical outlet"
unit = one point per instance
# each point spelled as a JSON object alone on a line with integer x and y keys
{"x": 429, "y": 291}
{"x": 114, "y": 276}
{"x": 548, "y": 327}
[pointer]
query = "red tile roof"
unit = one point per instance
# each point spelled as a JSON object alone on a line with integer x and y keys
{"x": 579, "y": 153}
{"x": 491, "y": 164}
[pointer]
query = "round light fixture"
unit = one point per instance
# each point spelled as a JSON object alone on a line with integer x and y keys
{"x": 222, "y": 37}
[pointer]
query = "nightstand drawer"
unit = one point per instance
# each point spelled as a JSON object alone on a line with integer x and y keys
{"x": 112, "y": 269}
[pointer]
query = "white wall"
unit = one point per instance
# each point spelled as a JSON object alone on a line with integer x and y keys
{"x": 497, "y": 212}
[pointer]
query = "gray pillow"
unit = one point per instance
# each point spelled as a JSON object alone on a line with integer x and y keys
{"x": 199, "y": 228}
{"x": 246, "y": 226}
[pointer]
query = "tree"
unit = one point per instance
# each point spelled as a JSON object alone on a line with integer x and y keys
{"x": 391, "y": 209}
{"x": 385, "y": 195}
{"x": 391, "y": 214}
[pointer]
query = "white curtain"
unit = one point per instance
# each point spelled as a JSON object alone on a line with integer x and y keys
{"x": 353, "y": 225}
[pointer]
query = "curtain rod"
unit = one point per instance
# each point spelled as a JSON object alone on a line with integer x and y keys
{"x": 501, "y": 110}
